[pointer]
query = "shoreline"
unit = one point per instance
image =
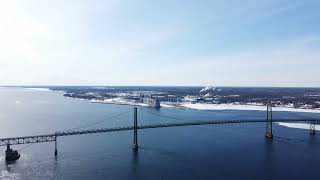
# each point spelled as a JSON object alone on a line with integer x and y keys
{"x": 187, "y": 105}
{"x": 200, "y": 106}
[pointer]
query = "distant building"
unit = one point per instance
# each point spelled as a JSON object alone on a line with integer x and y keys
{"x": 152, "y": 102}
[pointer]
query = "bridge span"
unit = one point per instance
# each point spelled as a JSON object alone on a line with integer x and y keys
{"x": 53, "y": 137}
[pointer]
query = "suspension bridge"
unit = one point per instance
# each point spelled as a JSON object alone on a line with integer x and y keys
{"x": 135, "y": 127}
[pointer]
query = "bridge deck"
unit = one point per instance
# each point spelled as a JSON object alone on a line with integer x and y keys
{"x": 52, "y": 137}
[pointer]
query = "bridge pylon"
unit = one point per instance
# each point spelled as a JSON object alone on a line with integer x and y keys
{"x": 269, "y": 133}
{"x": 55, "y": 146}
{"x": 135, "y": 130}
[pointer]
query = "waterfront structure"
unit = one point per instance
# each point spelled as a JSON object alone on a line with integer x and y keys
{"x": 169, "y": 98}
{"x": 152, "y": 102}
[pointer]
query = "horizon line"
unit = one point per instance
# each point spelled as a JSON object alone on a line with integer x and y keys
{"x": 221, "y": 86}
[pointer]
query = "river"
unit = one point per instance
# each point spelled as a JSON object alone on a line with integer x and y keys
{"x": 232, "y": 151}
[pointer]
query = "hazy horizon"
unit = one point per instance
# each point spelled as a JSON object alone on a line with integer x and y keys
{"x": 217, "y": 86}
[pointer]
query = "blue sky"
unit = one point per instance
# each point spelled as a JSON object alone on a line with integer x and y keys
{"x": 122, "y": 42}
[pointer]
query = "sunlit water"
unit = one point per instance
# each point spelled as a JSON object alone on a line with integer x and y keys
{"x": 237, "y": 151}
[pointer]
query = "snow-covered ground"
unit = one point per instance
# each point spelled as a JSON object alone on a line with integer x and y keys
{"x": 168, "y": 104}
{"x": 201, "y": 106}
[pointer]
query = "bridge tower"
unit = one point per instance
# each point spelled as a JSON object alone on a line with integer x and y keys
{"x": 135, "y": 130}
{"x": 269, "y": 133}
{"x": 55, "y": 145}
{"x": 313, "y": 127}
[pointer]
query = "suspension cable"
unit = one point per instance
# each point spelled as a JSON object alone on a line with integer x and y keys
{"x": 90, "y": 124}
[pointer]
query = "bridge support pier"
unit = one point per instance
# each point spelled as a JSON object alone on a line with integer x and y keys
{"x": 269, "y": 133}
{"x": 135, "y": 130}
{"x": 55, "y": 146}
{"x": 312, "y": 128}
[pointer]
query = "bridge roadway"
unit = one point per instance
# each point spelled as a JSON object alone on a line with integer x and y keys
{"x": 53, "y": 137}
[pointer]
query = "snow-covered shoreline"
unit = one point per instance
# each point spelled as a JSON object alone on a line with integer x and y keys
{"x": 203, "y": 106}
{"x": 200, "y": 106}
{"x": 118, "y": 101}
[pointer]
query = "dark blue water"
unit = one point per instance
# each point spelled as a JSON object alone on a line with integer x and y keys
{"x": 237, "y": 151}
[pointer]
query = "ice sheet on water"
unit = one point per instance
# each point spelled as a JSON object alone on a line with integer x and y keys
{"x": 298, "y": 125}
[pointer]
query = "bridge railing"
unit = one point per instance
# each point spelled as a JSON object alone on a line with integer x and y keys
{"x": 27, "y": 139}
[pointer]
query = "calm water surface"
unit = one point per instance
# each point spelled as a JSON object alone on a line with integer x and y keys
{"x": 237, "y": 151}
